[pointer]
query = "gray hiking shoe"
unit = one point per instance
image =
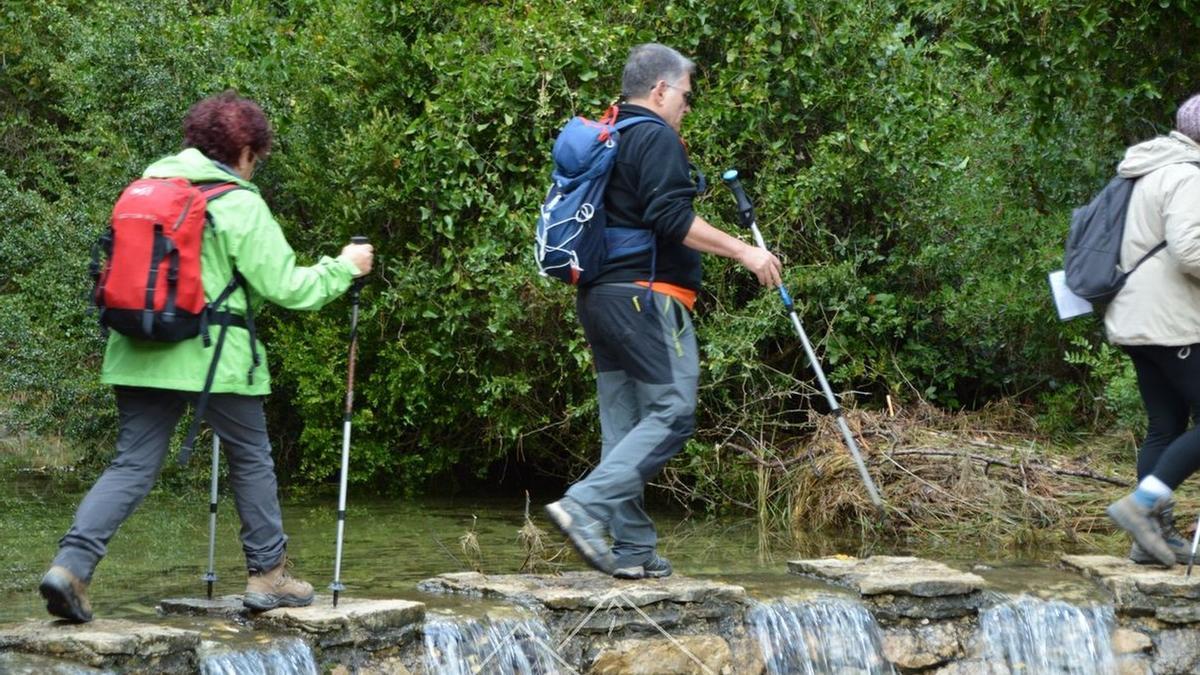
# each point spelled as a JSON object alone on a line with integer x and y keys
{"x": 1174, "y": 538}
{"x": 1142, "y": 524}
{"x": 66, "y": 595}
{"x": 656, "y": 567}
{"x": 585, "y": 533}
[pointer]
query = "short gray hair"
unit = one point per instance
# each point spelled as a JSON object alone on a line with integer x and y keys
{"x": 647, "y": 64}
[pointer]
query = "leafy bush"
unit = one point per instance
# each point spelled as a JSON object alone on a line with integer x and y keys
{"x": 914, "y": 163}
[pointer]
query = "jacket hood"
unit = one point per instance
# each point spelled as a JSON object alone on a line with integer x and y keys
{"x": 1156, "y": 153}
{"x": 194, "y": 166}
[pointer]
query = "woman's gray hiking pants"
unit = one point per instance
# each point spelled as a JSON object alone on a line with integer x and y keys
{"x": 147, "y": 420}
{"x": 647, "y": 371}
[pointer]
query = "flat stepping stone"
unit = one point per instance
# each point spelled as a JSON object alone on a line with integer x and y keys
{"x": 370, "y": 624}
{"x": 106, "y": 643}
{"x": 583, "y": 590}
{"x": 223, "y": 607}
{"x": 1143, "y": 589}
{"x": 900, "y": 587}
{"x": 891, "y": 575}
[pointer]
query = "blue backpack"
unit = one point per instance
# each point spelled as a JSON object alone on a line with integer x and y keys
{"x": 572, "y": 237}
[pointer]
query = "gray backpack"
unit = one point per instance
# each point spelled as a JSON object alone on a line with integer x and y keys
{"x": 1092, "y": 262}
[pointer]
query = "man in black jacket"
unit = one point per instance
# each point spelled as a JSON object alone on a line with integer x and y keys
{"x": 636, "y": 316}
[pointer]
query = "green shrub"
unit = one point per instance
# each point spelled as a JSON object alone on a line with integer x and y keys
{"x": 914, "y": 163}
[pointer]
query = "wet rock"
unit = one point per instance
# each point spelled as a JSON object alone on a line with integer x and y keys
{"x": 1143, "y": 589}
{"x": 389, "y": 666}
{"x": 13, "y": 663}
{"x": 1125, "y": 641}
{"x": 367, "y": 624}
{"x": 1178, "y": 652}
{"x": 699, "y": 654}
{"x": 898, "y": 588}
{"x": 588, "y": 612}
{"x": 225, "y": 607}
{"x": 106, "y": 643}
{"x": 918, "y": 645}
{"x": 747, "y": 654}
{"x": 891, "y": 575}
{"x": 1178, "y": 614}
{"x": 578, "y": 590}
{"x": 1133, "y": 665}
{"x": 973, "y": 667}
{"x": 893, "y": 608}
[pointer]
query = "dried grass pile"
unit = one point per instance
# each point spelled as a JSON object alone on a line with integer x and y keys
{"x": 985, "y": 477}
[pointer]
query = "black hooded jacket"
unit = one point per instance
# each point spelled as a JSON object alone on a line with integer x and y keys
{"x": 651, "y": 188}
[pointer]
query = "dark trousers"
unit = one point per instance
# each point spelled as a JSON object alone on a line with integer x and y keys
{"x": 647, "y": 371}
{"x": 147, "y": 420}
{"x": 1169, "y": 381}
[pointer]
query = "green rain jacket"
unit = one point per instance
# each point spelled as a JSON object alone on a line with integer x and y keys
{"x": 245, "y": 235}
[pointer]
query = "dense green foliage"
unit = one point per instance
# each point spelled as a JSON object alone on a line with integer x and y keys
{"x": 914, "y": 162}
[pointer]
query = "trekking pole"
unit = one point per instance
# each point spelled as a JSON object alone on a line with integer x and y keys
{"x": 355, "y": 288}
{"x": 1195, "y": 542}
{"x": 211, "y": 575}
{"x": 746, "y": 215}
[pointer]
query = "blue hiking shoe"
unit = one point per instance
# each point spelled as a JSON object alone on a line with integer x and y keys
{"x": 656, "y": 567}
{"x": 585, "y": 533}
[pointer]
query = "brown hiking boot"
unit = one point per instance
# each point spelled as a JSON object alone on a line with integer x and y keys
{"x": 276, "y": 588}
{"x": 66, "y": 595}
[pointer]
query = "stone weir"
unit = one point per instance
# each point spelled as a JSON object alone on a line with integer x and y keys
{"x": 876, "y": 615}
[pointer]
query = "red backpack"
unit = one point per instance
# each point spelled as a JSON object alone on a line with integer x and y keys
{"x": 150, "y": 287}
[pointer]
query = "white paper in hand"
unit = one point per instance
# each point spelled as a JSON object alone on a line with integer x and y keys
{"x": 1067, "y": 303}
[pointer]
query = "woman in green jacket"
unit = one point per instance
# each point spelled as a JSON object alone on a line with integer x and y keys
{"x": 225, "y": 136}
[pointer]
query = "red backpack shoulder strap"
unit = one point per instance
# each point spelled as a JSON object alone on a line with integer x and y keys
{"x": 213, "y": 191}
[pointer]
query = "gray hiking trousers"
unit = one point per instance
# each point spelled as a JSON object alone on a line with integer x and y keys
{"x": 647, "y": 371}
{"x": 147, "y": 420}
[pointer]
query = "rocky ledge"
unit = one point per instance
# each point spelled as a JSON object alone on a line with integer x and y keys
{"x": 128, "y": 646}
{"x": 906, "y": 615}
{"x": 692, "y": 625}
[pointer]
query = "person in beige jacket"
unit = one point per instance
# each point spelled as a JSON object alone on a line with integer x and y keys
{"x": 1156, "y": 320}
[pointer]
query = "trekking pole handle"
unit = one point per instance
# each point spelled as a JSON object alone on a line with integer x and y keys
{"x": 361, "y": 280}
{"x": 746, "y": 215}
{"x": 744, "y": 207}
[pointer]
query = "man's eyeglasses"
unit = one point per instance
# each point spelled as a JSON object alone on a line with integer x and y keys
{"x": 688, "y": 94}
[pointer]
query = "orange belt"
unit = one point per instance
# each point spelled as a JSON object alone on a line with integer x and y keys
{"x": 684, "y": 295}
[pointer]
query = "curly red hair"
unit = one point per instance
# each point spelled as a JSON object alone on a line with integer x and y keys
{"x": 220, "y": 126}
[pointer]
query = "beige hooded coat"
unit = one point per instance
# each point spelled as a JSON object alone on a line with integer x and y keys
{"x": 1160, "y": 302}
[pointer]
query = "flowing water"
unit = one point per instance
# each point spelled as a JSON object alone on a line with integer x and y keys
{"x": 818, "y": 636}
{"x": 1050, "y": 637}
{"x": 279, "y": 656}
{"x": 506, "y": 646}
{"x": 390, "y": 544}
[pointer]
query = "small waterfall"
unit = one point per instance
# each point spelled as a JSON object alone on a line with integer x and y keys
{"x": 520, "y": 646}
{"x": 1049, "y": 637}
{"x": 813, "y": 637}
{"x": 280, "y": 656}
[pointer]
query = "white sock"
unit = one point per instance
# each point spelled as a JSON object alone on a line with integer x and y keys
{"x": 1153, "y": 486}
